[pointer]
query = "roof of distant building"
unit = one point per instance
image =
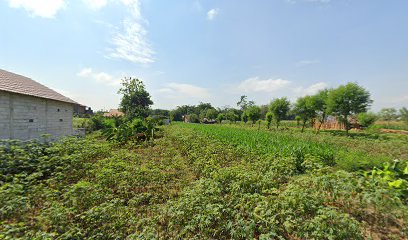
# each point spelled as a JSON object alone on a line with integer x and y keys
{"x": 113, "y": 113}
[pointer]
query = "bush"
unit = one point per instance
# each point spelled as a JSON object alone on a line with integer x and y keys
{"x": 366, "y": 119}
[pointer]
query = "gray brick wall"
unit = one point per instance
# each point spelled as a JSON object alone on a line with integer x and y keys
{"x": 26, "y": 117}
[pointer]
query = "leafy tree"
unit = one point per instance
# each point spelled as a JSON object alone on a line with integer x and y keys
{"x": 231, "y": 116}
{"x": 279, "y": 108}
{"x": 244, "y": 117}
{"x": 243, "y": 103}
{"x": 388, "y": 114}
{"x": 319, "y": 102}
{"x": 194, "y": 118}
{"x": 159, "y": 112}
{"x": 202, "y": 106}
{"x": 211, "y": 114}
{"x": 220, "y": 117}
{"x": 264, "y": 111}
{"x": 348, "y": 100}
{"x": 202, "y": 115}
{"x": 404, "y": 114}
{"x": 135, "y": 100}
{"x": 366, "y": 119}
{"x": 253, "y": 113}
{"x": 178, "y": 113}
{"x": 269, "y": 117}
{"x": 304, "y": 108}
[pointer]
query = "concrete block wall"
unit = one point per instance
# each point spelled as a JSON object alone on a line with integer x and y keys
{"x": 26, "y": 117}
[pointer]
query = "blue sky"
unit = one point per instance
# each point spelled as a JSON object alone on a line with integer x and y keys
{"x": 187, "y": 51}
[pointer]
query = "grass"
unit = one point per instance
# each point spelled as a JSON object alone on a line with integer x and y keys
{"x": 195, "y": 182}
{"x": 347, "y": 153}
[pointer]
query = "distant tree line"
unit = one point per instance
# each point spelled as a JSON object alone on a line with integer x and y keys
{"x": 347, "y": 103}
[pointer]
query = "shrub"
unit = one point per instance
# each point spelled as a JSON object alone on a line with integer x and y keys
{"x": 366, "y": 119}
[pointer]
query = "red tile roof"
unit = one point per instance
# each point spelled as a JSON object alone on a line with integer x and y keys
{"x": 11, "y": 82}
{"x": 113, "y": 113}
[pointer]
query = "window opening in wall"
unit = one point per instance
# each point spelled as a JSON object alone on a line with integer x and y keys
{"x": 30, "y": 120}
{"x": 61, "y": 120}
{"x": 58, "y": 110}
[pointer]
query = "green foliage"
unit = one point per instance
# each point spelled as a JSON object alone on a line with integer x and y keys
{"x": 319, "y": 103}
{"x": 135, "y": 100}
{"x": 220, "y": 117}
{"x": 135, "y": 130}
{"x": 199, "y": 182}
{"x": 305, "y": 109}
{"x": 211, "y": 114}
{"x": 279, "y": 108}
{"x": 243, "y": 103}
{"x": 269, "y": 117}
{"x": 395, "y": 175}
{"x": 348, "y": 100}
{"x": 99, "y": 122}
{"x": 194, "y": 118}
{"x": 366, "y": 119}
{"x": 231, "y": 116}
{"x": 404, "y": 115}
{"x": 253, "y": 113}
{"x": 244, "y": 117}
{"x": 388, "y": 114}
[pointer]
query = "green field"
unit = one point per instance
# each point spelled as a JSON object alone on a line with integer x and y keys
{"x": 207, "y": 182}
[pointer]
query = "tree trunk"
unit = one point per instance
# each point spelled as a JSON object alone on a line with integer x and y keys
{"x": 318, "y": 128}
{"x": 303, "y": 126}
{"x": 346, "y": 125}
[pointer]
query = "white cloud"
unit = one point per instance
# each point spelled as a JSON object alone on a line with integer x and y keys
{"x": 258, "y": 85}
{"x": 130, "y": 42}
{"x": 306, "y": 62}
{"x": 212, "y": 13}
{"x": 95, "y": 4}
{"x": 181, "y": 90}
{"x": 310, "y": 90}
{"x": 40, "y": 8}
{"x": 100, "y": 77}
{"x": 401, "y": 99}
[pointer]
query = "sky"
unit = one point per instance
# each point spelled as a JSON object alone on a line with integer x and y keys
{"x": 191, "y": 51}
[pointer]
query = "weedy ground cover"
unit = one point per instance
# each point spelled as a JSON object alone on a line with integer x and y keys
{"x": 346, "y": 153}
{"x": 277, "y": 196}
{"x": 194, "y": 184}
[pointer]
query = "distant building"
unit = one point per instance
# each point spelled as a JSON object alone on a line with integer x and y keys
{"x": 29, "y": 109}
{"x": 82, "y": 110}
{"x": 114, "y": 113}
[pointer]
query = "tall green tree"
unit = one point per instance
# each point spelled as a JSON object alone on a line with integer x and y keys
{"x": 244, "y": 117}
{"x": 231, "y": 116}
{"x": 304, "y": 108}
{"x": 279, "y": 108}
{"x": 220, "y": 117}
{"x": 268, "y": 117}
{"x": 253, "y": 113}
{"x": 211, "y": 114}
{"x": 319, "y": 101}
{"x": 136, "y": 101}
{"x": 243, "y": 103}
{"x": 346, "y": 101}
